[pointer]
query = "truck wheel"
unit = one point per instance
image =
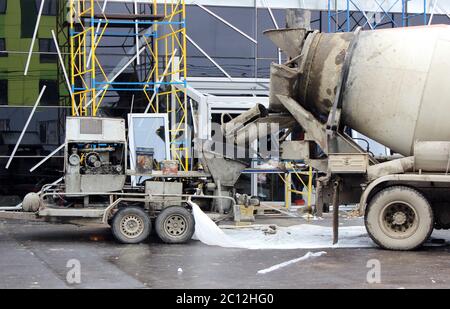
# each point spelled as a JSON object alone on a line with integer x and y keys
{"x": 399, "y": 218}
{"x": 175, "y": 225}
{"x": 131, "y": 225}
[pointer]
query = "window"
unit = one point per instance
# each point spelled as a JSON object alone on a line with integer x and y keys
{"x": 51, "y": 94}
{"x": 48, "y": 51}
{"x": 28, "y": 18}
{"x": 3, "y": 6}
{"x": 3, "y": 92}
{"x": 4, "y": 125}
{"x": 49, "y": 7}
{"x": 48, "y": 132}
{"x": 148, "y": 131}
{"x": 3, "y": 52}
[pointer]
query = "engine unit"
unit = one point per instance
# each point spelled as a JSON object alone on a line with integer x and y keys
{"x": 95, "y": 155}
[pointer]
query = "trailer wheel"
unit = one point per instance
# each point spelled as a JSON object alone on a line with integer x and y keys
{"x": 399, "y": 218}
{"x": 175, "y": 225}
{"x": 131, "y": 225}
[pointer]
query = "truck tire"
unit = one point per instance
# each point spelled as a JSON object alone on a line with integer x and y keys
{"x": 175, "y": 225}
{"x": 399, "y": 218}
{"x": 131, "y": 225}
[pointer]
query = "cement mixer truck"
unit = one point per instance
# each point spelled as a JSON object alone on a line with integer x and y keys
{"x": 392, "y": 86}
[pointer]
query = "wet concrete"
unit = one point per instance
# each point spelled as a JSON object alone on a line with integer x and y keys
{"x": 35, "y": 255}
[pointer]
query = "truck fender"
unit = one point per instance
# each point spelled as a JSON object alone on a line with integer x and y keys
{"x": 401, "y": 179}
{"x": 365, "y": 196}
{"x": 109, "y": 209}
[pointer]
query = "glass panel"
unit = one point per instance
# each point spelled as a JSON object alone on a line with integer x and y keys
{"x": 3, "y": 92}
{"x": 270, "y": 188}
{"x": 17, "y": 181}
{"x": 45, "y": 133}
{"x": 227, "y": 47}
{"x": 3, "y": 6}
{"x": 50, "y": 7}
{"x": 51, "y": 94}
{"x": 149, "y": 132}
{"x": 28, "y": 18}
{"x": 48, "y": 51}
{"x": 3, "y": 51}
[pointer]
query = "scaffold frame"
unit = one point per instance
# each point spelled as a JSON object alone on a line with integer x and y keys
{"x": 160, "y": 39}
{"x": 350, "y": 15}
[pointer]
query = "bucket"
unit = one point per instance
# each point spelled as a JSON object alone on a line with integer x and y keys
{"x": 169, "y": 167}
{"x": 144, "y": 160}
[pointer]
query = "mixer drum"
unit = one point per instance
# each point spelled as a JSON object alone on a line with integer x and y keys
{"x": 397, "y": 90}
{"x": 398, "y": 84}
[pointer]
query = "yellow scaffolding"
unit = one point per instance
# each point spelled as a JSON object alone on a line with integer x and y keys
{"x": 160, "y": 39}
{"x": 287, "y": 180}
{"x": 305, "y": 175}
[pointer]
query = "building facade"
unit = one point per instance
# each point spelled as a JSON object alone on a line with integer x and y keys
{"x": 234, "y": 41}
{"x": 17, "y": 21}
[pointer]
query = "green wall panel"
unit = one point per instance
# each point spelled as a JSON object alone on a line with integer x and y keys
{"x": 23, "y": 90}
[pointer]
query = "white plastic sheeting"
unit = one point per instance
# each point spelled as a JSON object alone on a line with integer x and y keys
{"x": 209, "y": 233}
{"x": 307, "y": 256}
{"x": 303, "y": 236}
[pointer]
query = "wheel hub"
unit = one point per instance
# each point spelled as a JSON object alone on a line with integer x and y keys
{"x": 132, "y": 226}
{"x": 399, "y": 219}
{"x": 175, "y": 225}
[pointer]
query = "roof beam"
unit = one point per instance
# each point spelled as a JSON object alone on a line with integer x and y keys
{"x": 414, "y": 6}
{"x": 276, "y": 4}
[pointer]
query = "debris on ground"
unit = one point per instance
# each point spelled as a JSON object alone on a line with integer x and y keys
{"x": 270, "y": 230}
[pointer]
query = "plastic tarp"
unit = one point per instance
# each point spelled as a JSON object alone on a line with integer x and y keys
{"x": 303, "y": 236}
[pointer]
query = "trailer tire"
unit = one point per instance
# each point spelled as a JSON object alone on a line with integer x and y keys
{"x": 399, "y": 218}
{"x": 131, "y": 225}
{"x": 175, "y": 225}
